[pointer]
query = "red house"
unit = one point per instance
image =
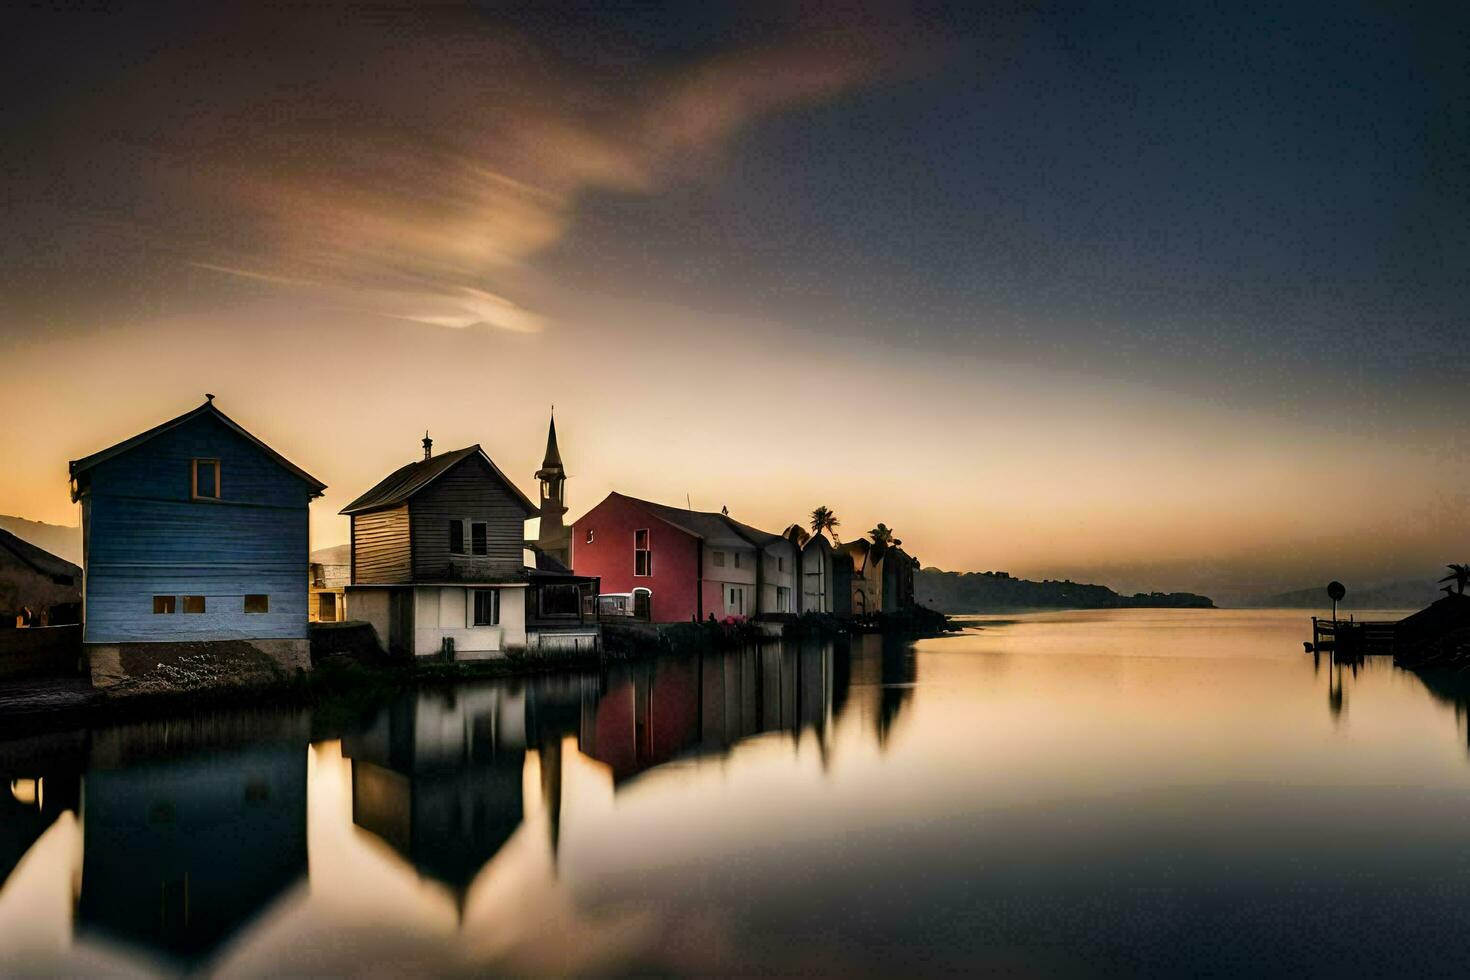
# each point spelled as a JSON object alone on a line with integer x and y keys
{"x": 666, "y": 564}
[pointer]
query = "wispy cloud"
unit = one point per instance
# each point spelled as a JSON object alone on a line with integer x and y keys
{"x": 423, "y": 158}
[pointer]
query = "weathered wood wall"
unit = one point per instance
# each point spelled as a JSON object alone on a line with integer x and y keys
{"x": 470, "y": 491}
{"x": 145, "y": 536}
{"x": 380, "y": 547}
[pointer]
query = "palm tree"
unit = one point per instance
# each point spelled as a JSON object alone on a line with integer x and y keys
{"x": 1460, "y": 575}
{"x": 824, "y": 520}
{"x": 884, "y": 536}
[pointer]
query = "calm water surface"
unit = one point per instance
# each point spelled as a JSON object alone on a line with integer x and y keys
{"x": 1158, "y": 792}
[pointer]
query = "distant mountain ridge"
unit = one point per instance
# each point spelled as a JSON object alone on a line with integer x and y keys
{"x": 61, "y": 541}
{"x": 1408, "y": 594}
{"x": 971, "y": 592}
{"x": 338, "y": 554}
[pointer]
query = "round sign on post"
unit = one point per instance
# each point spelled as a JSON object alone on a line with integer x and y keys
{"x": 1335, "y": 591}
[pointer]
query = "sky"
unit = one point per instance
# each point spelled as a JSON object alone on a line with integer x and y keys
{"x": 1159, "y": 295}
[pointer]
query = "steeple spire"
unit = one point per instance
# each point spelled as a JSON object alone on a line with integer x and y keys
{"x": 554, "y": 539}
{"x": 553, "y": 454}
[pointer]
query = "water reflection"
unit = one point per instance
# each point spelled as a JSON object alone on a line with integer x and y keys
{"x": 1057, "y": 794}
{"x": 180, "y": 855}
{"x": 190, "y": 830}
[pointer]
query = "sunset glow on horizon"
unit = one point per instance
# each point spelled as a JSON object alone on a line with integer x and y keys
{"x": 769, "y": 261}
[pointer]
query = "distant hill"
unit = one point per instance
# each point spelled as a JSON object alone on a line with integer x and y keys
{"x": 63, "y": 542}
{"x": 1412, "y": 594}
{"x": 971, "y": 592}
{"x": 340, "y": 554}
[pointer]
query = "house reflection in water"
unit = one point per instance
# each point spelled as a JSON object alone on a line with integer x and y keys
{"x": 33, "y": 793}
{"x": 652, "y": 713}
{"x": 438, "y": 777}
{"x": 179, "y": 856}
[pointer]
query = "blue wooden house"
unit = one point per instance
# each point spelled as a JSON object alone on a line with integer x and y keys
{"x": 194, "y": 530}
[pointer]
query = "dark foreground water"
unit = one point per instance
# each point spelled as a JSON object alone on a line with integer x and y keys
{"x": 1154, "y": 792}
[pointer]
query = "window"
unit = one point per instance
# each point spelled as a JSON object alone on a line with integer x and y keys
{"x": 737, "y": 559}
{"x": 487, "y": 607}
{"x": 783, "y": 599}
{"x": 194, "y": 604}
{"x": 642, "y": 554}
{"x": 205, "y": 479}
{"x": 257, "y": 603}
{"x": 456, "y": 537}
{"x": 719, "y": 558}
{"x": 591, "y": 535}
{"x": 780, "y": 564}
{"x": 479, "y": 536}
{"x": 163, "y": 604}
{"x": 560, "y": 600}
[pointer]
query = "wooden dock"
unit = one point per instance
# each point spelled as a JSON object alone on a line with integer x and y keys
{"x": 1351, "y": 637}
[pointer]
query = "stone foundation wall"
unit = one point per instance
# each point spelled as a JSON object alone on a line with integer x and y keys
{"x": 148, "y": 668}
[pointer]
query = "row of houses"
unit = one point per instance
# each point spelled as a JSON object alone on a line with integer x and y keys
{"x": 196, "y": 530}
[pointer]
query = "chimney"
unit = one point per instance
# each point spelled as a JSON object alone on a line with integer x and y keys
{"x": 428, "y": 445}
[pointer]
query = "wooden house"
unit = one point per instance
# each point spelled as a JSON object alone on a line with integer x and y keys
{"x": 36, "y": 587}
{"x": 194, "y": 530}
{"x": 438, "y": 564}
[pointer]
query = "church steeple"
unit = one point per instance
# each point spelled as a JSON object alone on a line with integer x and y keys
{"x": 554, "y": 539}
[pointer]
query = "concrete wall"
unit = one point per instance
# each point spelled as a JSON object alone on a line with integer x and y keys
{"x": 781, "y": 565}
{"x": 441, "y": 611}
{"x": 719, "y": 580}
{"x": 816, "y": 577}
{"x": 370, "y": 606}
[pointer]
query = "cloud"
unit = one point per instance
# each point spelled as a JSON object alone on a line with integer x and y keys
{"x": 422, "y": 157}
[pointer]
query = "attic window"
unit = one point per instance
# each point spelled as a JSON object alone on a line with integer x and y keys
{"x": 479, "y": 536}
{"x": 205, "y": 478}
{"x": 257, "y": 603}
{"x": 719, "y": 559}
{"x": 456, "y": 537}
{"x": 737, "y": 559}
{"x": 194, "y": 604}
{"x": 164, "y": 604}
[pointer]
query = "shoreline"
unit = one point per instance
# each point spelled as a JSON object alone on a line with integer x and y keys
{"x": 342, "y": 681}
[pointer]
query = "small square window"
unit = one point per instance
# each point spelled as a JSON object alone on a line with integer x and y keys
{"x": 257, "y": 603}
{"x": 194, "y": 604}
{"x": 719, "y": 557}
{"x": 206, "y": 479}
{"x": 164, "y": 604}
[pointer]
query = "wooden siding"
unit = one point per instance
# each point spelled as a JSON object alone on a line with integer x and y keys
{"x": 145, "y": 536}
{"x": 380, "y": 547}
{"x": 470, "y": 491}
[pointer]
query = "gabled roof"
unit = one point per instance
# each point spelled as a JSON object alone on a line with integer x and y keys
{"x": 757, "y": 537}
{"x": 397, "y": 487}
{"x": 715, "y": 529}
{"x": 79, "y": 466}
{"x": 41, "y": 561}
